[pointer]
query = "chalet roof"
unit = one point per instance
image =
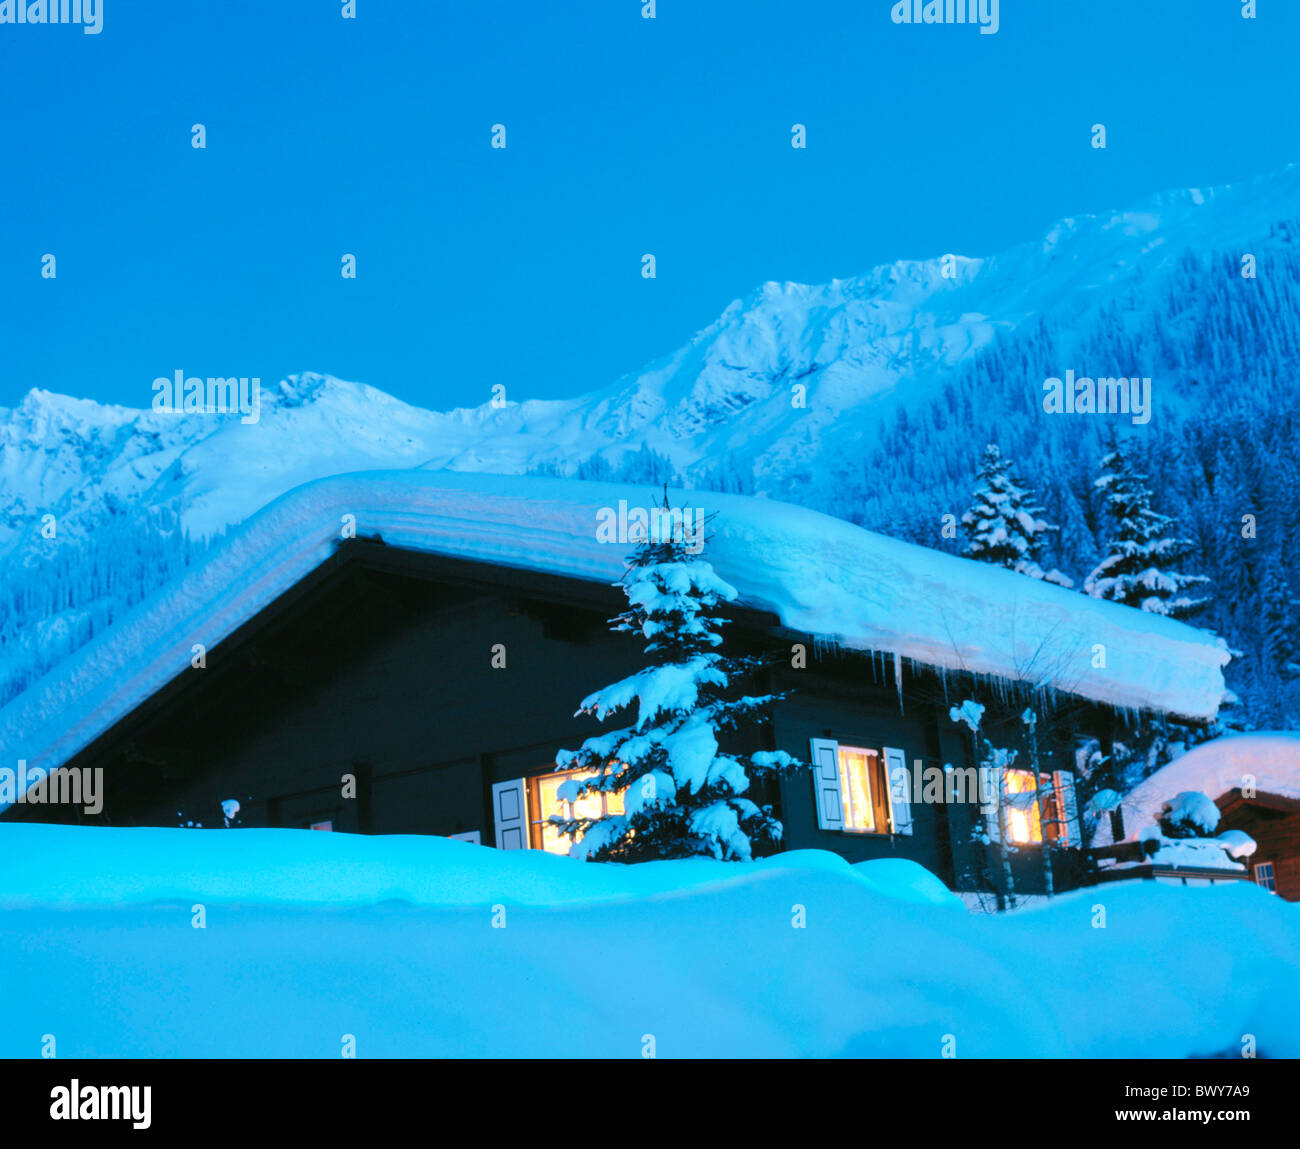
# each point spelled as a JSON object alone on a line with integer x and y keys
{"x": 820, "y": 576}
{"x": 1270, "y": 760}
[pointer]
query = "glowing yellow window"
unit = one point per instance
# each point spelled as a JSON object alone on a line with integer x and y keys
{"x": 859, "y": 788}
{"x": 544, "y": 801}
{"x": 1024, "y": 823}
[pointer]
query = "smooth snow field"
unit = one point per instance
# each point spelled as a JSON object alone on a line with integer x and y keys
{"x": 424, "y": 947}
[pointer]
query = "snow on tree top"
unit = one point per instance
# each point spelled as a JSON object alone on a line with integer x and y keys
{"x": 821, "y": 576}
{"x": 1192, "y": 809}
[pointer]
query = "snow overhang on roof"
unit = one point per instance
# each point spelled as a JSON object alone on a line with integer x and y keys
{"x": 821, "y": 576}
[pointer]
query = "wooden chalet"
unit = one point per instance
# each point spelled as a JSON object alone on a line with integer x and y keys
{"x": 418, "y": 672}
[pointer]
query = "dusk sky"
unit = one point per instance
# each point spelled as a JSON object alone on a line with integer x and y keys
{"x": 625, "y": 136}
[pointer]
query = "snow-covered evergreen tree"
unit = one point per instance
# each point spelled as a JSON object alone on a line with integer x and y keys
{"x": 1137, "y": 571}
{"x": 1002, "y": 524}
{"x": 1190, "y": 814}
{"x": 682, "y": 795}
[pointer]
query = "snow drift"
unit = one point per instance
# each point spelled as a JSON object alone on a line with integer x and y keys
{"x": 424, "y": 947}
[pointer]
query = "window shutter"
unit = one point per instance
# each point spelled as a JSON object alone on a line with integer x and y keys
{"x": 1065, "y": 796}
{"x": 900, "y": 790}
{"x": 826, "y": 784}
{"x": 510, "y": 809}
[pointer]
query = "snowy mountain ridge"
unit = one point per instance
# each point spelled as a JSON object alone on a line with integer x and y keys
{"x": 727, "y": 393}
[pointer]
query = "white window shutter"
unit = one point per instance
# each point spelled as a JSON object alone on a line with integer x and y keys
{"x": 900, "y": 790}
{"x": 510, "y": 809}
{"x": 826, "y": 783}
{"x": 1068, "y": 802}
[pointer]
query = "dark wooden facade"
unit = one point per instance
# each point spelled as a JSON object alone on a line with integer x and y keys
{"x": 379, "y": 666}
{"x": 1274, "y": 823}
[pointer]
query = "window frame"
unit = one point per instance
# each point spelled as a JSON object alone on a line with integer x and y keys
{"x": 1051, "y": 812}
{"x": 1271, "y": 884}
{"x": 892, "y": 808}
{"x": 539, "y": 819}
{"x": 879, "y": 800}
{"x": 1034, "y": 815}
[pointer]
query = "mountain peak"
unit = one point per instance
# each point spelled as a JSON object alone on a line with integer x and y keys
{"x": 301, "y": 389}
{"x": 43, "y": 413}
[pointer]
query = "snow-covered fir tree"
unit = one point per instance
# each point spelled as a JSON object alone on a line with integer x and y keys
{"x": 1002, "y": 524}
{"x": 683, "y": 796}
{"x": 1190, "y": 814}
{"x": 1138, "y": 570}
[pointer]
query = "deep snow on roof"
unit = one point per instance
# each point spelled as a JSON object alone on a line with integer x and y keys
{"x": 1270, "y": 759}
{"x": 821, "y": 576}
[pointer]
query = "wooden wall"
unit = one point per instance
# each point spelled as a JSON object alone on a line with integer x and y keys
{"x": 1277, "y": 837}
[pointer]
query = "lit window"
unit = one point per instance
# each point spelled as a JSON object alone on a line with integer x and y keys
{"x": 1030, "y": 822}
{"x": 1264, "y": 876}
{"x": 860, "y": 788}
{"x": 544, "y": 801}
{"x": 1024, "y": 822}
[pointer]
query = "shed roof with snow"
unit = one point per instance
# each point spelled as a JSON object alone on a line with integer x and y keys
{"x": 819, "y": 575}
{"x": 1270, "y": 760}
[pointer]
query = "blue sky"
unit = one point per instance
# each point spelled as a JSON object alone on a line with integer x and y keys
{"x": 625, "y": 136}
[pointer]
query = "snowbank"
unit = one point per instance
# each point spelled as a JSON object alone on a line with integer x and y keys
{"x": 1272, "y": 759}
{"x": 819, "y": 575}
{"x": 101, "y": 866}
{"x": 425, "y": 947}
{"x": 1203, "y": 853}
{"x": 903, "y": 878}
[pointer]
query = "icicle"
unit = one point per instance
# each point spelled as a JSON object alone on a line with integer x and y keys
{"x": 898, "y": 679}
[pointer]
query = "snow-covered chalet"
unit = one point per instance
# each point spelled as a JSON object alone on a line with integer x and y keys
{"x": 403, "y": 653}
